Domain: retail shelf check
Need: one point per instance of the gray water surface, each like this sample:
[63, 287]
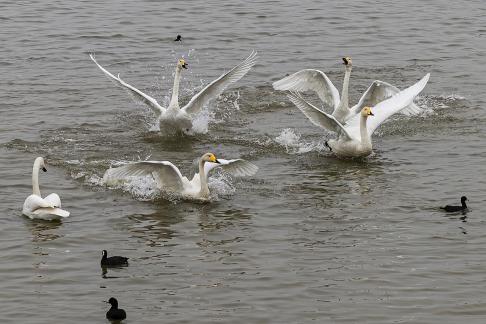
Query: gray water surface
[310, 238]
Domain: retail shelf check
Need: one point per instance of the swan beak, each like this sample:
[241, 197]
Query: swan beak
[216, 161]
[184, 66]
[44, 169]
[347, 61]
[371, 114]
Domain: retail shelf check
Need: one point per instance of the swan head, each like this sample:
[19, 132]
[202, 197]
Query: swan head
[182, 64]
[104, 254]
[41, 163]
[366, 111]
[347, 61]
[209, 157]
[463, 199]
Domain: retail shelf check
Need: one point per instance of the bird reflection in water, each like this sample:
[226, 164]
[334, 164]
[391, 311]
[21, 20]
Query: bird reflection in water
[44, 231]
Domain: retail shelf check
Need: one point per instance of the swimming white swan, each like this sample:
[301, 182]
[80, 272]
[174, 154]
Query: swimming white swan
[318, 82]
[36, 207]
[173, 118]
[169, 178]
[354, 137]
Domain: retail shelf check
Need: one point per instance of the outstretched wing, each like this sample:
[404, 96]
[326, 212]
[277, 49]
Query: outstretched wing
[379, 91]
[314, 80]
[165, 174]
[385, 109]
[237, 167]
[148, 100]
[215, 88]
[317, 116]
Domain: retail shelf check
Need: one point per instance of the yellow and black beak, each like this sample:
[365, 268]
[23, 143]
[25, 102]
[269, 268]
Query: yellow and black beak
[184, 65]
[371, 113]
[345, 61]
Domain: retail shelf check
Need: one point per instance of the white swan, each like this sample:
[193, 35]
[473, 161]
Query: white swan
[354, 137]
[169, 178]
[318, 82]
[36, 207]
[174, 119]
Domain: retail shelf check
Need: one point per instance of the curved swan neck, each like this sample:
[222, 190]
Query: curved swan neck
[344, 93]
[35, 177]
[174, 101]
[204, 181]
[365, 137]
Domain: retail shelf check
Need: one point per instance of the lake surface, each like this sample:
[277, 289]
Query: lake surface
[310, 238]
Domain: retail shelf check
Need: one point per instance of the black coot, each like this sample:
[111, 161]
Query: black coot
[112, 261]
[451, 208]
[115, 313]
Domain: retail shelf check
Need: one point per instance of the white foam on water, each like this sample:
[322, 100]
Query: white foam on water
[293, 143]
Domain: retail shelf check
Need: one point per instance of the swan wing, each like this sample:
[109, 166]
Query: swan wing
[379, 91]
[50, 213]
[314, 80]
[166, 174]
[148, 100]
[236, 167]
[317, 116]
[34, 202]
[385, 109]
[54, 199]
[215, 88]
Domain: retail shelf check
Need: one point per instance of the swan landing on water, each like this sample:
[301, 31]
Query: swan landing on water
[317, 81]
[169, 178]
[36, 207]
[354, 137]
[174, 119]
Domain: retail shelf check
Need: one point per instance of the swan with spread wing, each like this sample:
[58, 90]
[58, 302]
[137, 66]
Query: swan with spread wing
[317, 81]
[175, 119]
[169, 178]
[36, 207]
[354, 137]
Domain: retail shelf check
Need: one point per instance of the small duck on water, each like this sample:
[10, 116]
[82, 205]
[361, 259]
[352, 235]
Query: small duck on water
[115, 313]
[452, 208]
[113, 261]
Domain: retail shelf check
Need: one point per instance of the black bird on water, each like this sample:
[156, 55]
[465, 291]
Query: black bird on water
[451, 208]
[113, 261]
[178, 38]
[115, 313]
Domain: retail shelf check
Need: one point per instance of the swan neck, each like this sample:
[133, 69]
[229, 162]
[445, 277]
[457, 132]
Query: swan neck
[344, 92]
[35, 178]
[203, 179]
[464, 204]
[174, 101]
[365, 137]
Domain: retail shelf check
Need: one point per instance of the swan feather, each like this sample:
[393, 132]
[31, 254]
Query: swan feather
[151, 102]
[215, 88]
[385, 109]
[166, 174]
[310, 79]
[317, 116]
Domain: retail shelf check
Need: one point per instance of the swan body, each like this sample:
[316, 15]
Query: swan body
[36, 207]
[169, 178]
[317, 81]
[354, 137]
[175, 119]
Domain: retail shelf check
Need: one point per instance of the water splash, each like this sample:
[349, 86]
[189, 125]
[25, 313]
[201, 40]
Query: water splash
[293, 144]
